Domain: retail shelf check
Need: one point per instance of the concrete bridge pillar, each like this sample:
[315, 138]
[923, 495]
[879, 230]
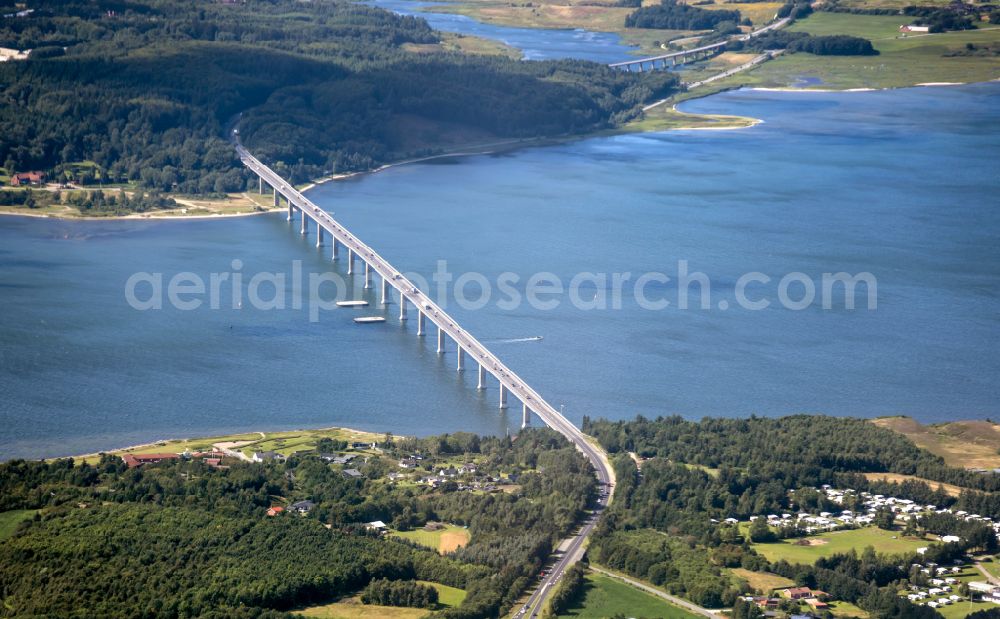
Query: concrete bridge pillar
[350, 261]
[304, 229]
[336, 248]
[440, 341]
[461, 359]
[319, 235]
[402, 306]
[368, 276]
[260, 185]
[525, 416]
[503, 396]
[482, 378]
[291, 209]
[420, 323]
[385, 292]
[276, 203]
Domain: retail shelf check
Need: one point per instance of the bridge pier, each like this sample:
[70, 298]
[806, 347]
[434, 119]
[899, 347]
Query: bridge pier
[402, 306]
[303, 229]
[440, 341]
[260, 185]
[503, 396]
[420, 322]
[336, 248]
[291, 209]
[350, 261]
[319, 234]
[525, 416]
[482, 378]
[385, 292]
[368, 276]
[461, 358]
[276, 203]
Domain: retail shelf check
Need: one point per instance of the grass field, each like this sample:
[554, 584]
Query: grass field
[665, 118]
[607, 597]
[903, 61]
[846, 609]
[284, 442]
[967, 444]
[838, 541]
[764, 582]
[896, 477]
[565, 14]
[232, 204]
[10, 520]
[449, 538]
[352, 608]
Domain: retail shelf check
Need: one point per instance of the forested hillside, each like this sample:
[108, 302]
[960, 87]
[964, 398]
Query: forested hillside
[145, 89]
[183, 538]
[673, 522]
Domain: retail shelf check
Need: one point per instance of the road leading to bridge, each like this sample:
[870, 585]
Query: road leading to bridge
[466, 343]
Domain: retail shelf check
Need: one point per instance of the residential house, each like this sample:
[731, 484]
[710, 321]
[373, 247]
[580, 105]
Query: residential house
[267, 456]
[303, 507]
[377, 525]
[134, 460]
[27, 178]
[275, 510]
[797, 593]
[352, 473]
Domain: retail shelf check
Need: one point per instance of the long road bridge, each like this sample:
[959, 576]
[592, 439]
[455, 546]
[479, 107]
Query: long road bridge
[390, 278]
[672, 59]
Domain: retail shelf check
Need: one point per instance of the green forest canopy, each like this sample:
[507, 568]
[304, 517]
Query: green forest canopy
[181, 538]
[146, 89]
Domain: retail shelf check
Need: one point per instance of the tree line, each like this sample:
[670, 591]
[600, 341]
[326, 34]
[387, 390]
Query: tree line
[195, 540]
[147, 89]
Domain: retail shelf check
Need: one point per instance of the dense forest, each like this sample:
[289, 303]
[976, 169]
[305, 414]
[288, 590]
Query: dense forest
[828, 45]
[195, 540]
[147, 88]
[666, 524]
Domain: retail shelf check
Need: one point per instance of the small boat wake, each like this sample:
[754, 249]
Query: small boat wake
[514, 340]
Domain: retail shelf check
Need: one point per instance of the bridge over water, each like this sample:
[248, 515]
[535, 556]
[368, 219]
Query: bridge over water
[468, 349]
[689, 55]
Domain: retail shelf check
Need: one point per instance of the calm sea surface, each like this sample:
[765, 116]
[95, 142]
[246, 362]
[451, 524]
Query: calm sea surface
[902, 184]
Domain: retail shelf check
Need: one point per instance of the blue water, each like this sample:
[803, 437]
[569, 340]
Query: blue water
[903, 184]
[534, 43]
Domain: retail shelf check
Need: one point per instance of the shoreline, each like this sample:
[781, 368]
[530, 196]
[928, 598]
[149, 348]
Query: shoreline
[221, 438]
[139, 216]
[499, 147]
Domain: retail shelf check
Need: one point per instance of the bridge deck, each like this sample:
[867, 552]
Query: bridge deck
[490, 362]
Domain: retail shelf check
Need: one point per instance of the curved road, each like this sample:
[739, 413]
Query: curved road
[473, 347]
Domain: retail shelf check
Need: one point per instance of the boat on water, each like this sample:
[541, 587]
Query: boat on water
[352, 303]
[363, 320]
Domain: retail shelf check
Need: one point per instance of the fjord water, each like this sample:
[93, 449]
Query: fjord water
[534, 43]
[903, 184]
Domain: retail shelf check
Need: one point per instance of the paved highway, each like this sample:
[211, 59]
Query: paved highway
[704, 48]
[473, 347]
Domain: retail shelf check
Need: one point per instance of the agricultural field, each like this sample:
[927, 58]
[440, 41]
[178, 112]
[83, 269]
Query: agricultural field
[763, 582]
[606, 597]
[596, 16]
[352, 608]
[951, 489]
[10, 519]
[966, 444]
[806, 550]
[903, 60]
[447, 538]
